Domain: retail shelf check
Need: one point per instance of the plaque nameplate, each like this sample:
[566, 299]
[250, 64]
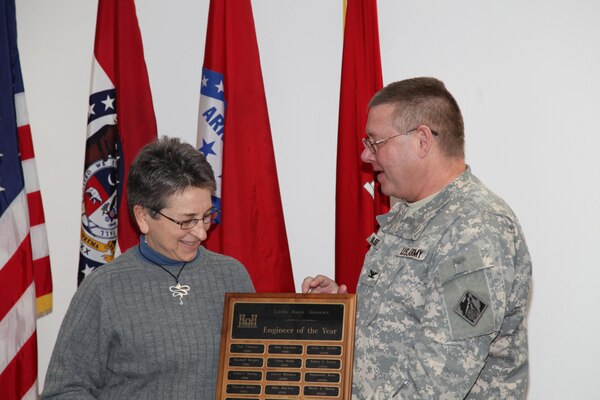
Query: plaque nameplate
[245, 362]
[243, 389]
[286, 345]
[322, 377]
[285, 349]
[324, 350]
[284, 376]
[284, 362]
[247, 348]
[323, 363]
[328, 391]
[279, 389]
[244, 375]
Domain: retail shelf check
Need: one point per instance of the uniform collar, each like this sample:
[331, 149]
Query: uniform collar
[397, 223]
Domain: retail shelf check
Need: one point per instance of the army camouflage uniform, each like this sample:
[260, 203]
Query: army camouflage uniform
[442, 301]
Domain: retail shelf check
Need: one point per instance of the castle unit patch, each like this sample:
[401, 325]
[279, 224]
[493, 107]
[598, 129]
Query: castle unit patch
[374, 240]
[470, 308]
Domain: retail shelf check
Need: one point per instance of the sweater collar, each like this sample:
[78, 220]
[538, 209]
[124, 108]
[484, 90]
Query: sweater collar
[154, 256]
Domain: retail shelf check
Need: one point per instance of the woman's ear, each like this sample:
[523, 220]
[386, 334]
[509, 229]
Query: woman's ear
[141, 217]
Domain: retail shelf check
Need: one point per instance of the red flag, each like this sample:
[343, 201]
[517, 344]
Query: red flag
[234, 124]
[358, 199]
[25, 279]
[120, 122]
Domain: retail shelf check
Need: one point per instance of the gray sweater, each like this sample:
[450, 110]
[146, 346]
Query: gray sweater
[125, 336]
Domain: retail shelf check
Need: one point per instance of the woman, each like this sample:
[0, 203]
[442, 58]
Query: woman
[148, 325]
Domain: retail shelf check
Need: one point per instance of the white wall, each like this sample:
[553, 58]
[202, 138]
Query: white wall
[524, 73]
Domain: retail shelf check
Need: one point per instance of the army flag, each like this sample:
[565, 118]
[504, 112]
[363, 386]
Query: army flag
[235, 136]
[358, 199]
[120, 122]
[25, 279]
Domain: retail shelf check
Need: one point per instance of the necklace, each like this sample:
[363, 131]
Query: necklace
[177, 290]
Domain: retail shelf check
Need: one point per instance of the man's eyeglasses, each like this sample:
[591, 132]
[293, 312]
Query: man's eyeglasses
[206, 219]
[372, 145]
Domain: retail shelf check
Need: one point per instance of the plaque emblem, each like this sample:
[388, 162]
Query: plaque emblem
[247, 322]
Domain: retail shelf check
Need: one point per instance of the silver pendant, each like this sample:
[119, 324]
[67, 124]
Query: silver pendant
[179, 291]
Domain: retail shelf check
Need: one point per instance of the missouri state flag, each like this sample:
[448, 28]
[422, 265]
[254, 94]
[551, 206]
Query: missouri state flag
[235, 136]
[120, 122]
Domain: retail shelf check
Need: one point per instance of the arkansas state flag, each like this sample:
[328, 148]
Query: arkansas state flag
[120, 122]
[235, 136]
[25, 280]
[358, 199]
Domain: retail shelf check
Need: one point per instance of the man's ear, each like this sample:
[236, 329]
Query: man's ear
[141, 217]
[426, 138]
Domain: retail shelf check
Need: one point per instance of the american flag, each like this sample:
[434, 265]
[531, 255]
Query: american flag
[25, 280]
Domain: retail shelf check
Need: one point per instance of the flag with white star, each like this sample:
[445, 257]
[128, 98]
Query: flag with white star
[25, 278]
[211, 126]
[120, 122]
[235, 137]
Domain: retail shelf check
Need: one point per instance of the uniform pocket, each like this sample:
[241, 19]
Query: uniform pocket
[467, 295]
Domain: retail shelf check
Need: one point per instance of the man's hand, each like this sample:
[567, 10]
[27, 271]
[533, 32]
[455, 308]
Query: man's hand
[322, 284]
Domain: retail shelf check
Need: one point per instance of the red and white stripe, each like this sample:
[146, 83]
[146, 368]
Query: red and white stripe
[25, 277]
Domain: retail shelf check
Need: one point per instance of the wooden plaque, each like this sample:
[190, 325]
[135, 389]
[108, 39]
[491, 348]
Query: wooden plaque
[286, 346]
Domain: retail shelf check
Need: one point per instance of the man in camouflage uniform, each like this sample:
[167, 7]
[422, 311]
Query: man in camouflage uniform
[442, 296]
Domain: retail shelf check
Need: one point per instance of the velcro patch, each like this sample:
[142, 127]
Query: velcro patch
[374, 240]
[468, 301]
[413, 252]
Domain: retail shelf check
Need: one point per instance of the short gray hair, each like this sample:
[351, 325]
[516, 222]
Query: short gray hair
[164, 168]
[426, 101]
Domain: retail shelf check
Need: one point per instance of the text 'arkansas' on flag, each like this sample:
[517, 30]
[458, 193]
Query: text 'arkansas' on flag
[210, 141]
[235, 136]
[358, 198]
[25, 279]
[120, 122]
